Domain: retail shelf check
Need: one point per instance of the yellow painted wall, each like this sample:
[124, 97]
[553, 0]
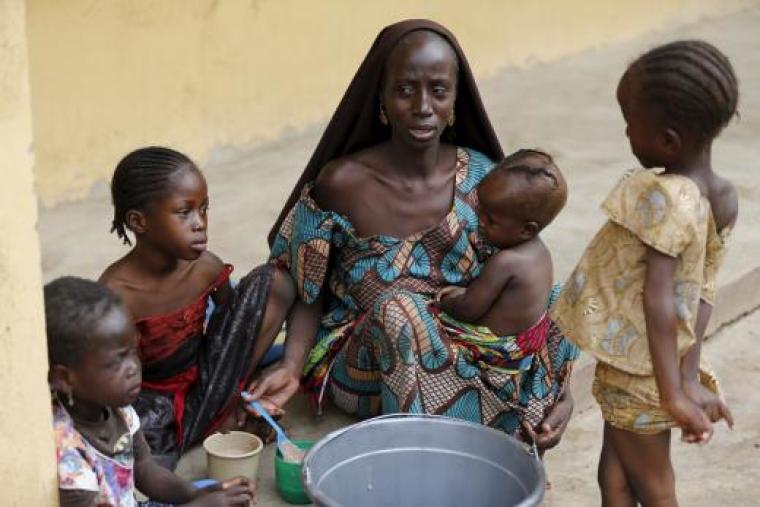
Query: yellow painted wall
[109, 76]
[27, 453]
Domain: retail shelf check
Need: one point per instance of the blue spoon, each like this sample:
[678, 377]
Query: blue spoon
[289, 450]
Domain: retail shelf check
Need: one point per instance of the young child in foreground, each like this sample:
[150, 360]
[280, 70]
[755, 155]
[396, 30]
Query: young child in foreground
[94, 376]
[641, 296]
[192, 373]
[500, 319]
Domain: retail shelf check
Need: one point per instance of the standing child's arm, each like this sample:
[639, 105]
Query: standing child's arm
[662, 326]
[162, 485]
[471, 303]
[690, 361]
[712, 403]
[725, 211]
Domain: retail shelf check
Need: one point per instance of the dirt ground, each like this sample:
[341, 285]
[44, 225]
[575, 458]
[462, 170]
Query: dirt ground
[568, 108]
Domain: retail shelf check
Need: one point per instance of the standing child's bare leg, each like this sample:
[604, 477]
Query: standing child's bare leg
[613, 483]
[646, 462]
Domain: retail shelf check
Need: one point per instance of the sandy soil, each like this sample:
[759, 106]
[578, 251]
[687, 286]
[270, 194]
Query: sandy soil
[568, 108]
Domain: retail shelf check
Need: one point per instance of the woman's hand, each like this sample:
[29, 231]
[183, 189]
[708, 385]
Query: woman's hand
[237, 491]
[550, 431]
[450, 291]
[273, 389]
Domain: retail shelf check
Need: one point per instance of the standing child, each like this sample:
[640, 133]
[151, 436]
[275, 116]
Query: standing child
[641, 296]
[500, 320]
[192, 375]
[95, 375]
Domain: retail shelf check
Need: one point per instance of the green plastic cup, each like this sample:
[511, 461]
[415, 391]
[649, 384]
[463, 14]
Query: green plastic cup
[287, 476]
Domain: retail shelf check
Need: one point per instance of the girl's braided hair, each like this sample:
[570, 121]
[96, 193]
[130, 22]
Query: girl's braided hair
[140, 178]
[691, 83]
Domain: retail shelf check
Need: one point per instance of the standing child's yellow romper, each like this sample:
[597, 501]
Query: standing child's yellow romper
[601, 308]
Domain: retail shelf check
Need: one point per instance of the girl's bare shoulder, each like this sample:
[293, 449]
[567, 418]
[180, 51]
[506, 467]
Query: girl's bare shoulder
[724, 201]
[134, 285]
[207, 267]
[119, 275]
[122, 278]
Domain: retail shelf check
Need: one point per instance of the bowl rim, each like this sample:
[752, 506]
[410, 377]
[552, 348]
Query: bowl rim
[221, 434]
[533, 498]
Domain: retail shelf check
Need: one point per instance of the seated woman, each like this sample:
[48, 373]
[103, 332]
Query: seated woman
[384, 216]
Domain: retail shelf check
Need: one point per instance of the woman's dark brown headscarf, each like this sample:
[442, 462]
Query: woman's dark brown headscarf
[355, 123]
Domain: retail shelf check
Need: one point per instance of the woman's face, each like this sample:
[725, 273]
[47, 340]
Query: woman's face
[419, 88]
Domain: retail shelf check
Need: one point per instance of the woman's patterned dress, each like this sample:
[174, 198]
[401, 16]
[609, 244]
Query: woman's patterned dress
[380, 348]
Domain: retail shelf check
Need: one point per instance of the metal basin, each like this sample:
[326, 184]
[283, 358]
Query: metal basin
[418, 460]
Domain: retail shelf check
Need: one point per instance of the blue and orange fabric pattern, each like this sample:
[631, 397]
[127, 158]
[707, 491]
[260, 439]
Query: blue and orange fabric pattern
[379, 348]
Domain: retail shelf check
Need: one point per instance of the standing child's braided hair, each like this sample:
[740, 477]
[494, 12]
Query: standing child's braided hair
[691, 83]
[141, 177]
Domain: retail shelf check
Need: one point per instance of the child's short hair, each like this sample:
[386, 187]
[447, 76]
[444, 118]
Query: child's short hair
[73, 308]
[691, 83]
[537, 192]
[141, 177]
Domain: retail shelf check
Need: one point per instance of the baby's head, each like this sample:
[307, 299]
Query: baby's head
[520, 197]
[675, 99]
[161, 196]
[92, 345]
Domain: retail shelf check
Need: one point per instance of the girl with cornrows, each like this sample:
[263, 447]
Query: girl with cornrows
[192, 373]
[641, 296]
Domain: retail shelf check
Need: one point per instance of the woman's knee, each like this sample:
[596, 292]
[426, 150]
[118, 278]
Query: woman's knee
[282, 291]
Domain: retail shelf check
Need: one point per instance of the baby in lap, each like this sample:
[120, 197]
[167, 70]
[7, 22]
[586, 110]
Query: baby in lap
[500, 319]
